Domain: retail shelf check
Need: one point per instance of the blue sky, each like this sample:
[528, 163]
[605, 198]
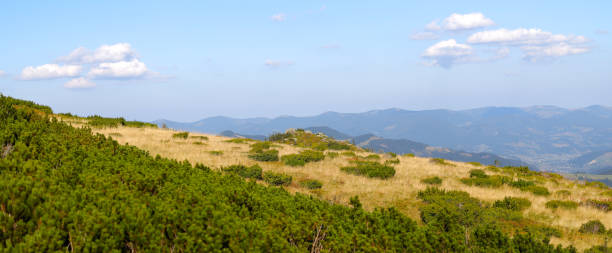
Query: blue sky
[185, 60]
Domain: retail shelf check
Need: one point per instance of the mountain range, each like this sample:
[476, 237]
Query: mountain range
[548, 137]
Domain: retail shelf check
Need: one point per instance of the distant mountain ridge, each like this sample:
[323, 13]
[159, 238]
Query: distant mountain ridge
[546, 136]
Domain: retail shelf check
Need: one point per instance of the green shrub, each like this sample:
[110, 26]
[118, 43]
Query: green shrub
[494, 181]
[593, 227]
[607, 193]
[372, 157]
[513, 203]
[349, 154]
[598, 249]
[277, 179]
[311, 184]
[198, 143]
[392, 161]
[475, 164]
[204, 138]
[332, 155]
[522, 184]
[181, 135]
[370, 169]
[537, 190]
[441, 161]
[597, 184]
[254, 171]
[493, 168]
[393, 155]
[432, 180]
[408, 155]
[215, 152]
[564, 204]
[303, 157]
[265, 156]
[335, 145]
[478, 174]
[98, 121]
[600, 204]
[238, 140]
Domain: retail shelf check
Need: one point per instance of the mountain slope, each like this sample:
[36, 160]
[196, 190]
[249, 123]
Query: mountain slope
[545, 136]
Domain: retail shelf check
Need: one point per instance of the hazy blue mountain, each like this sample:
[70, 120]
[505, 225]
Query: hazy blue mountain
[228, 133]
[546, 136]
[597, 162]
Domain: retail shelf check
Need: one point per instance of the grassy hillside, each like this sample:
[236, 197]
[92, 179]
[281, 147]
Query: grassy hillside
[66, 188]
[399, 191]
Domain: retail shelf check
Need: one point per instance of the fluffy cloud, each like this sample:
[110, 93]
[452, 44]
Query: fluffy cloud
[105, 53]
[50, 71]
[536, 53]
[119, 70]
[522, 36]
[448, 52]
[277, 63]
[279, 17]
[456, 22]
[79, 83]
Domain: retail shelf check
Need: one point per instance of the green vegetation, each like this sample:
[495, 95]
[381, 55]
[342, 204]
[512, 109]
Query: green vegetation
[392, 155]
[441, 161]
[512, 203]
[254, 171]
[432, 180]
[392, 161]
[563, 193]
[349, 154]
[198, 143]
[277, 179]
[593, 227]
[66, 189]
[180, 135]
[479, 178]
[408, 155]
[260, 151]
[564, 204]
[306, 139]
[98, 121]
[475, 164]
[303, 157]
[372, 157]
[238, 140]
[332, 155]
[311, 184]
[370, 169]
[604, 205]
[215, 152]
[198, 137]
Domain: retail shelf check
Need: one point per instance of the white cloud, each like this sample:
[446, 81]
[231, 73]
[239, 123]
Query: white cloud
[522, 36]
[50, 71]
[456, 22]
[424, 36]
[537, 53]
[120, 70]
[105, 53]
[277, 63]
[448, 52]
[279, 17]
[79, 83]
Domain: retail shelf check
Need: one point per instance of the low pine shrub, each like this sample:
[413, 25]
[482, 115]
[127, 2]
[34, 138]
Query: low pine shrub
[277, 179]
[303, 157]
[370, 169]
[537, 190]
[432, 180]
[593, 227]
[215, 152]
[477, 173]
[494, 181]
[238, 140]
[408, 155]
[311, 184]
[332, 155]
[475, 164]
[393, 155]
[265, 156]
[181, 135]
[349, 154]
[254, 171]
[563, 193]
[198, 143]
[335, 145]
[392, 161]
[564, 204]
[441, 161]
[603, 205]
[203, 138]
[513, 203]
[372, 157]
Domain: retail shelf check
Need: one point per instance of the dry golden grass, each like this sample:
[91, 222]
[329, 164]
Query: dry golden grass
[399, 191]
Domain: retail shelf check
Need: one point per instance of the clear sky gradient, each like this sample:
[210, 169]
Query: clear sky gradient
[185, 60]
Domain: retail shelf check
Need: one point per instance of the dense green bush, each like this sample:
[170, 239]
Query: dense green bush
[494, 181]
[370, 169]
[336, 145]
[513, 203]
[392, 155]
[475, 164]
[332, 155]
[181, 135]
[564, 204]
[408, 155]
[265, 156]
[303, 157]
[349, 154]
[372, 157]
[98, 121]
[432, 180]
[604, 205]
[593, 227]
[67, 189]
[215, 152]
[254, 171]
[278, 179]
[199, 137]
[311, 184]
[477, 173]
[392, 161]
[441, 161]
[563, 193]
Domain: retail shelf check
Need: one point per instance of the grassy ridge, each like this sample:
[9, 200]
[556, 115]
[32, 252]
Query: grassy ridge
[67, 189]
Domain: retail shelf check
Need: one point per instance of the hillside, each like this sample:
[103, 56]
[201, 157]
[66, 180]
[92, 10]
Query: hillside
[67, 188]
[597, 162]
[545, 136]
